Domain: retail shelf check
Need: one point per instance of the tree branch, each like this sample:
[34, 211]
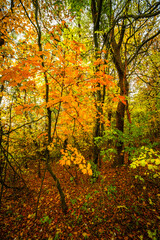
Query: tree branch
[140, 47]
[23, 125]
[28, 16]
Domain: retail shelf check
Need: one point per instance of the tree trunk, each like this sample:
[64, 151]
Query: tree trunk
[96, 7]
[49, 112]
[58, 185]
[120, 115]
[123, 85]
[119, 159]
[96, 150]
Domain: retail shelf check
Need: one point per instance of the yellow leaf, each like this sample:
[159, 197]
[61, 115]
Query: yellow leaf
[62, 162]
[68, 162]
[81, 166]
[50, 238]
[150, 202]
[122, 206]
[84, 171]
[157, 161]
[90, 172]
[49, 148]
[85, 235]
[88, 166]
[31, 215]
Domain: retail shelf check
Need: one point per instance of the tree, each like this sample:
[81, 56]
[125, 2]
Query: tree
[125, 29]
[147, 81]
[48, 64]
[128, 21]
[96, 7]
[124, 23]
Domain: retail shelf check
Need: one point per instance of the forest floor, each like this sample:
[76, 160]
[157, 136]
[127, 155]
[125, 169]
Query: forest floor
[116, 206]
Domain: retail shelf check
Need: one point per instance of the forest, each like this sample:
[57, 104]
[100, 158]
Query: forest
[79, 119]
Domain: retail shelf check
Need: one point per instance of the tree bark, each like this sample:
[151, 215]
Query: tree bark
[120, 115]
[119, 159]
[96, 7]
[124, 86]
[58, 185]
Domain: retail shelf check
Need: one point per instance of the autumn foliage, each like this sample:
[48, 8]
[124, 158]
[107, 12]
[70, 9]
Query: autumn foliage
[67, 116]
